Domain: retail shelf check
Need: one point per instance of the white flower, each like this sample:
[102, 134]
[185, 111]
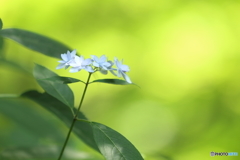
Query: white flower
[102, 63]
[67, 58]
[80, 63]
[122, 69]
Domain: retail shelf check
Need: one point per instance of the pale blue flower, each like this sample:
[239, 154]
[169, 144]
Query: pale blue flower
[67, 58]
[121, 70]
[80, 63]
[102, 63]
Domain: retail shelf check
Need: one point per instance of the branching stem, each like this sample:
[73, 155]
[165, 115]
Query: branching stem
[75, 118]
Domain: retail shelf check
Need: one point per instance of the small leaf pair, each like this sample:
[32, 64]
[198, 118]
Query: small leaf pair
[57, 86]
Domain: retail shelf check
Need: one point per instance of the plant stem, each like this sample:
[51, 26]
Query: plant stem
[75, 117]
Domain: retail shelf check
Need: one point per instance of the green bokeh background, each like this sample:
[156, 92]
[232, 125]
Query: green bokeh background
[185, 56]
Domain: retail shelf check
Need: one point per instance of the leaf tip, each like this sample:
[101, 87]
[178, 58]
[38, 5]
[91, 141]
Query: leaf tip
[136, 85]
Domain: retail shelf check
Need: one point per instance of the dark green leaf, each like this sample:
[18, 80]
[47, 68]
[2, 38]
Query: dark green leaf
[1, 46]
[1, 43]
[1, 24]
[32, 126]
[113, 145]
[112, 81]
[35, 42]
[64, 80]
[60, 91]
[82, 129]
[42, 153]
[27, 153]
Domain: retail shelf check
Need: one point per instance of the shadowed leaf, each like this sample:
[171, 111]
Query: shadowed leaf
[113, 145]
[64, 80]
[82, 129]
[42, 153]
[1, 24]
[1, 47]
[60, 91]
[112, 81]
[33, 126]
[35, 42]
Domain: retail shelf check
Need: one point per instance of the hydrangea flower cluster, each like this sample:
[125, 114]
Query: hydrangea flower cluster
[93, 64]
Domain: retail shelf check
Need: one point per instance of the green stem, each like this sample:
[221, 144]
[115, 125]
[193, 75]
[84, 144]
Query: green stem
[75, 117]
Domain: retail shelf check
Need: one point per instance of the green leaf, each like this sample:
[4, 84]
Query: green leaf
[82, 129]
[1, 47]
[35, 42]
[60, 91]
[1, 43]
[113, 145]
[1, 24]
[64, 80]
[29, 153]
[42, 153]
[29, 121]
[112, 81]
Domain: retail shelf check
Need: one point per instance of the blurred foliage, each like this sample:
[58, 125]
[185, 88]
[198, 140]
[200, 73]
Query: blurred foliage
[184, 55]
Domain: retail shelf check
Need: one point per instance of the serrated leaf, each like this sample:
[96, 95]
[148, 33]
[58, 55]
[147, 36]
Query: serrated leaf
[112, 81]
[64, 80]
[60, 91]
[35, 42]
[113, 145]
[82, 129]
[1, 24]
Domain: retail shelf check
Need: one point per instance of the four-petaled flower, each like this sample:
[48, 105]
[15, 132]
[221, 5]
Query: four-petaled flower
[102, 63]
[67, 59]
[92, 65]
[122, 69]
[80, 63]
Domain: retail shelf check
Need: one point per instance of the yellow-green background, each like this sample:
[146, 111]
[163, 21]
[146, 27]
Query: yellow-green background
[184, 55]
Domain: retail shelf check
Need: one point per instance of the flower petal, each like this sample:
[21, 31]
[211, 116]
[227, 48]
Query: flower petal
[77, 61]
[102, 59]
[87, 62]
[104, 67]
[111, 64]
[73, 54]
[126, 77]
[89, 69]
[106, 64]
[95, 64]
[69, 56]
[118, 64]
[64, 57]
[61, 65]
[125, 68]
[119, 73]
[95, 58]
[74, 69]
